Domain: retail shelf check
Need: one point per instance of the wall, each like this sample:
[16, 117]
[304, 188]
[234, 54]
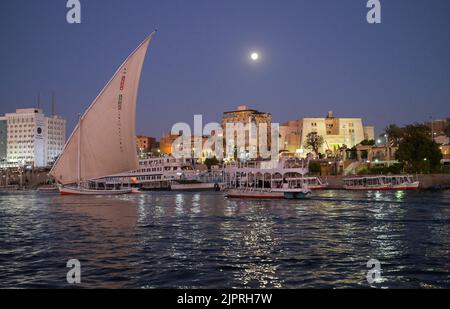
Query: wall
[3, 139]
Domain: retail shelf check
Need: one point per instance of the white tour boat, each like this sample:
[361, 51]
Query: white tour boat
[313, 183]
[166, 173]
[381, 182]
[104, 140]
[263, 180]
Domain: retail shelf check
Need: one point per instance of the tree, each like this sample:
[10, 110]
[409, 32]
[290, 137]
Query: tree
[313, 142]
[417, 151]
[314, 168]
[210, 162]
[447, 131]
[369, 142]
[393, 133]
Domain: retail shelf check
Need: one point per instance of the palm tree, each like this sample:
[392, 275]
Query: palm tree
[393, 134]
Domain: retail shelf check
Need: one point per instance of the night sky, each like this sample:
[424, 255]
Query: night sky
[316, 56]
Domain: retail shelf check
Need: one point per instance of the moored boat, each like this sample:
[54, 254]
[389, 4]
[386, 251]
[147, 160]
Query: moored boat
[166, 173]
[312, 182]
[193, 185]
[104, 141]
[48, 189]
[263, 180]
[381, 182]
[10, 188]
[268, 193]
[74, 190]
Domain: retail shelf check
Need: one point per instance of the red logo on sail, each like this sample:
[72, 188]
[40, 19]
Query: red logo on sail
[122, 83]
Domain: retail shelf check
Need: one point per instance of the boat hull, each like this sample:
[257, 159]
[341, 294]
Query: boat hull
[82, 191]
[289, 194]
[254, 194]
[200, 186]
[318, 187]
[296, 195]
[411, 186]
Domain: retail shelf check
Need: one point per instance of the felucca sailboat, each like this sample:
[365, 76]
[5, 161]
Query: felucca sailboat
[104, 141]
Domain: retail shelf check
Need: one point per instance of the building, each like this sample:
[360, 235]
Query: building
[336, 133]
[442, 139]
[246, 144]
[144, 144]
[33, 138]
[55, 137]
[445, 150]
[166, 143]
[290, 137]
[438, 126]
[369, 133]
[3, 140]
[206, 151]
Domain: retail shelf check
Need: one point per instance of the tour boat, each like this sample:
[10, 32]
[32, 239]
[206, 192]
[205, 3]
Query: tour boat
[48, 189]
[166, 173]
[75, 190]
[396, 182]
[268, 193]
[313, 183]
[194, 185]
[104, 141]
[265, 180]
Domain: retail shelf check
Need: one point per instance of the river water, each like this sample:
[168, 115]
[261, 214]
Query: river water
[203, 240]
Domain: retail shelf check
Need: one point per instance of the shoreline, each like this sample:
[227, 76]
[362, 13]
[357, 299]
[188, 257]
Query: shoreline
[335, 182]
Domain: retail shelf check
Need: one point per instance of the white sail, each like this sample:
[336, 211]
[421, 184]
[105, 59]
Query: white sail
[106, 142]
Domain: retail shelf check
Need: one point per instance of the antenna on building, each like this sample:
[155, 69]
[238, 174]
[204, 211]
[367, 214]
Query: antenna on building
[53, 103]
[39, 100]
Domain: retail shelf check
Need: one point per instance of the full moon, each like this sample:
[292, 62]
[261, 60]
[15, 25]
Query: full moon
[254, 56]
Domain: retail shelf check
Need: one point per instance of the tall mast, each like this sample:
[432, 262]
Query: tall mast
[79, 151]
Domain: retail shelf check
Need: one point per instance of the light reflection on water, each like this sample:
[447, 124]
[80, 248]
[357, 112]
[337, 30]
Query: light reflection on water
[165, 239]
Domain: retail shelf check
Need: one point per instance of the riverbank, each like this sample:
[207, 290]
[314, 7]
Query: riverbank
[35, 179]
[427, 181]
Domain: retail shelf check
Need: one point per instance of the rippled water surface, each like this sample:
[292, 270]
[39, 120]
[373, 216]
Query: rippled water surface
[204, 240]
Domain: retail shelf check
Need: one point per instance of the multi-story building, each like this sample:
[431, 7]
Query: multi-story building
[248, 141]
[33, 138]
[445, 150]
[55, 136]
[166, 143]
[290, 137]
[144, 144]
[336, 132]
[438, 126]
[3, 140]
[167, 146]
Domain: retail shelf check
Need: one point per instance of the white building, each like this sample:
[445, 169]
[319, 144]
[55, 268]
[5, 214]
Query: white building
[336, 132]
[33, 138]
[3, 140]
[55, 136]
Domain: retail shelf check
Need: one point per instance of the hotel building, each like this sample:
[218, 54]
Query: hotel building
[166, 143]
[246, 143]
[32, 138]
[336, 132]
[144, 144]
[3, 140]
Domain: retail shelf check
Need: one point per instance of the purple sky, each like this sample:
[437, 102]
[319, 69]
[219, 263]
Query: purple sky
[317, 56]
